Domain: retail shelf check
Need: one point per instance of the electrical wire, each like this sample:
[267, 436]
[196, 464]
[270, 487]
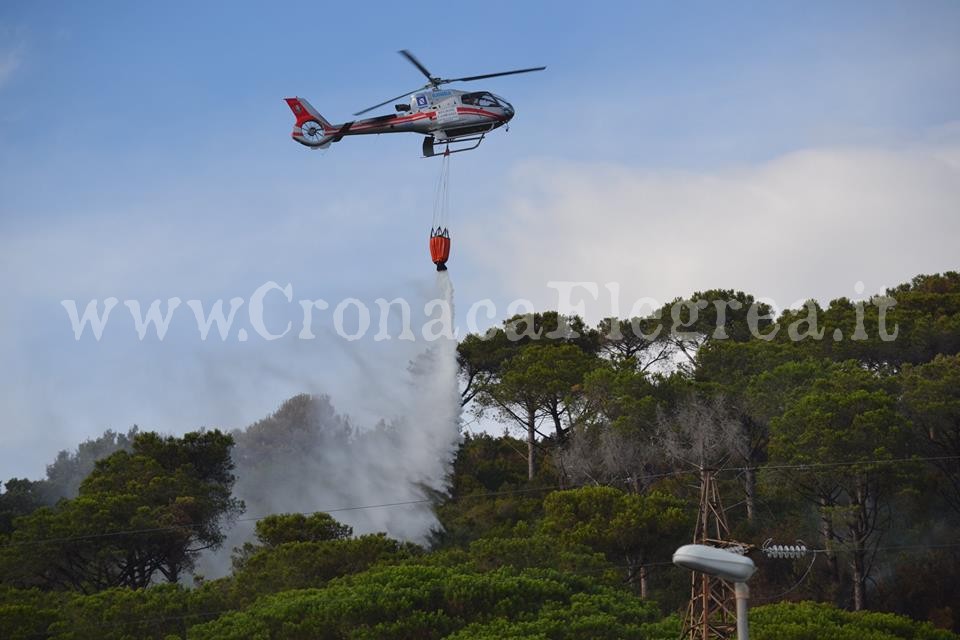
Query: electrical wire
[509, 492]
[851, 463]
[799, 582]
[186, 527]
[490, 494]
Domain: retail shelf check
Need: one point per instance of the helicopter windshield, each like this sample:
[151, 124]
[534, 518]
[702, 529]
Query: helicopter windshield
[480, 99]
[503, 103]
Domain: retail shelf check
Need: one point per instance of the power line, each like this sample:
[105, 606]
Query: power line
[185, 527]
[473, 496]
[851, 463]
[491, 494]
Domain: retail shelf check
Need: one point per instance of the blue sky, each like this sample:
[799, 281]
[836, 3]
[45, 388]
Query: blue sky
[145, 153]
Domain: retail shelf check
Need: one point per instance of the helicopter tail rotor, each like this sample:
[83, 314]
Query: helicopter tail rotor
[311, 129]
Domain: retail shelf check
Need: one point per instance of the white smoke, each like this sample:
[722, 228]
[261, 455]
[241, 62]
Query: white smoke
[307, 457]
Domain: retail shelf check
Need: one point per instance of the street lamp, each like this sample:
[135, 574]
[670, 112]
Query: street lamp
[724, 565]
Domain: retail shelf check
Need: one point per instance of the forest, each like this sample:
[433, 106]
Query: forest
[837, 426]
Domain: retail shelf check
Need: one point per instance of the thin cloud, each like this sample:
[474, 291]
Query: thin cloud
[10, 61]
[810, 224]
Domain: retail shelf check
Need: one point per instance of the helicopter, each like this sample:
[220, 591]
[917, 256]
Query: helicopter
[444, 116]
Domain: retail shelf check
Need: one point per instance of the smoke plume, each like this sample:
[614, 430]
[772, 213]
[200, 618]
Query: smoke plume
[308, 457]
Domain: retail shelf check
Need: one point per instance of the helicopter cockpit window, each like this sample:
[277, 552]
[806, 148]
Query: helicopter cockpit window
[480, 99]
[487, 100]
[503, 103]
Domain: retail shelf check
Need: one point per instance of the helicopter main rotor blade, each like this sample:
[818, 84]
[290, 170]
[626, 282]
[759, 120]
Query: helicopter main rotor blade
[409, 56]
[385, 102]
[493, 75]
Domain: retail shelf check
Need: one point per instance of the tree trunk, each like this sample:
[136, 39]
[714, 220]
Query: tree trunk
[531, 443]
[859, 531]
[859, 580]
[826, 532]
[644, 587]
[557, 423]
[750, 489]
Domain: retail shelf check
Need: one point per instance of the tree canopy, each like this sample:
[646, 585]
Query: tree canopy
[836, 424]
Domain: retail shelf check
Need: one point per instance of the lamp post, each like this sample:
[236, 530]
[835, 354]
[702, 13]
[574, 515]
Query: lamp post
[725, 565]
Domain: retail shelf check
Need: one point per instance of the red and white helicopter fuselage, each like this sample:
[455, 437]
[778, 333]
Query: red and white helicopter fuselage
[442, 115]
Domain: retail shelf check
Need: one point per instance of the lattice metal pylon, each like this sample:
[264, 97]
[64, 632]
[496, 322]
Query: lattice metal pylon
[711, 614]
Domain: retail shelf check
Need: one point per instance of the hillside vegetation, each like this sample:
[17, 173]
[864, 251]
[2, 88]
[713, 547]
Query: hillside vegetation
[838, 426]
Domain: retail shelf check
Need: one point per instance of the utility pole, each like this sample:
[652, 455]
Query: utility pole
[711, 613]
[720, 563]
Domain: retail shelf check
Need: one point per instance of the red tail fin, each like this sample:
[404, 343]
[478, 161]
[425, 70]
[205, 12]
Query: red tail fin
[311, 128]
[304, 111]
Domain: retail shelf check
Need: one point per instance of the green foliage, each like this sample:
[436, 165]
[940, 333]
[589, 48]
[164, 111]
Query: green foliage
[300, 565]
[528, 549]
[68, 471]
[920, 320]
[618, 524]
[416, 601]
[155, 613]
[277, 529]
[20, 497]
[849, 415]
[487, 465]
[64, 475]
[138, 513]
[26, 613]
[624, 399]
[931, 399]
[529, 370]
[629, 529]
[605, 615]
[516, 559]
[812, 621]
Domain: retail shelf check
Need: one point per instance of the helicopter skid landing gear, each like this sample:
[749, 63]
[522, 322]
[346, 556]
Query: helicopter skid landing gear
[429, 141]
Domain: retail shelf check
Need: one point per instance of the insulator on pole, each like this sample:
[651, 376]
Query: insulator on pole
[785, 551]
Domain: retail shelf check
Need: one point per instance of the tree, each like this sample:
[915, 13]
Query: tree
[931, 399]
[911, 324]
[20, 497]
[813, 621]
[636, 343]
[278, 529]
[615, 438]
[69, 470]
[282, 528]
[501, 371]
[480, 357]
[432, 602]
[765, 397]
[538, 383]
[64, 475]
[309, 564]
[630, 529]
[139, 513]
[700, 433]
[707, 316]
[487, 465]
[848, 418]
